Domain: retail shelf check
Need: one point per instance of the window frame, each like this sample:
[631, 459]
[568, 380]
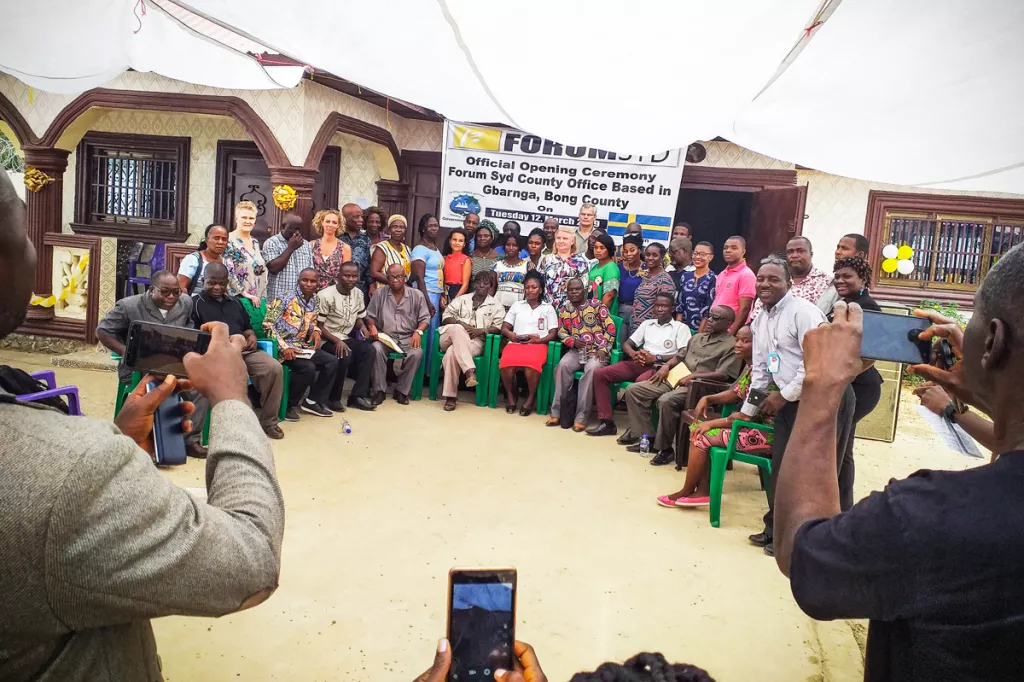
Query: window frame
[179, 146]
[936, 207]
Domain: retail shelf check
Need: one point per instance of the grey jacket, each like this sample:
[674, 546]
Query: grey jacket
[96, 541]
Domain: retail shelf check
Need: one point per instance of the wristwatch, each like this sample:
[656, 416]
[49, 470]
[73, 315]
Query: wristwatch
[419, 331]
[951, 413]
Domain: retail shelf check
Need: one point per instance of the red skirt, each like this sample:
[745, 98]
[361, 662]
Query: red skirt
[532, 355]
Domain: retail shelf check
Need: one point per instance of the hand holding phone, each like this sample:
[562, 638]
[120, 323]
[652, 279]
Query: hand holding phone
[481, 622]
[950, 378]
[138, 414]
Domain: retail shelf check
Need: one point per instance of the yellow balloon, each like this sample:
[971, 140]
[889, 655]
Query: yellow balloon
[889, 265]
[905, 253]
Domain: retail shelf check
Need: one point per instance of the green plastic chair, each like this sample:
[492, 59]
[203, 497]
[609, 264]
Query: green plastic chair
[417, 379]
[720, 458]
[543, 388]
[482, 362]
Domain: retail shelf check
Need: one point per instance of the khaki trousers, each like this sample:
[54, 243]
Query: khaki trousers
[459, 352]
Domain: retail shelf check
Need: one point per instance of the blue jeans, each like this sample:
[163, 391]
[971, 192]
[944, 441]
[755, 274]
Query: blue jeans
[428, 335]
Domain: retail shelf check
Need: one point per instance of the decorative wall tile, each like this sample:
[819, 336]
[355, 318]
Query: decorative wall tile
[729, 155]
[359, 173]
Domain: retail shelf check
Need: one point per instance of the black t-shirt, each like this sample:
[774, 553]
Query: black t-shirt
[936, 561]
[870, 375]
[227, 310]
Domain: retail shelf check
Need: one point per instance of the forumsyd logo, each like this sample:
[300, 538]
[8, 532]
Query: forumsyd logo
[487, 139]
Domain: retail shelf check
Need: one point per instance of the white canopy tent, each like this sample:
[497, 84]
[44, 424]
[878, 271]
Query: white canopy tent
[910, 92]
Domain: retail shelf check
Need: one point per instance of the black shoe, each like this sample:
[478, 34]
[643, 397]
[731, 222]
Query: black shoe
[760, 540]
[605, 428]
[627, 438]
[401, 398]
[336, 406]
[291, 415]
[362, 404]
[662, 458]
[315, 408]
[378, 397]
[769, 550]
[196, 450]
[635, 447]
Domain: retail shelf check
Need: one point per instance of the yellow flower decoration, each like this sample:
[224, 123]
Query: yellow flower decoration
[51, 300]
[284, 197]
[36, 179]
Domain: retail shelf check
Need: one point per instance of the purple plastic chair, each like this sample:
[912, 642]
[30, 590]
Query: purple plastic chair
[155, 263]
[52, 391]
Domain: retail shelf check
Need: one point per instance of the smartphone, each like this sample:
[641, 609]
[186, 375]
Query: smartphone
[153, 348]
[168, 436]
[756, 396]
[894, 338]
[481, 622]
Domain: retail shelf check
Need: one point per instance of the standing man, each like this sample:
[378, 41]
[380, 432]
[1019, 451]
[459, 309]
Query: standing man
[299, 341]
[588, 213]
[779, 358]
[511, 227]
[467, 321]
[586, 328]
[935, 561]
[469, 224]
[339, 313]
[287, 254]
[213, 304]
[709, 355]
[358, 241]
[653, 344]
[853, 245]
[809, 283]
[682, 230]
[680, 253]
[164, 303]
[736, 285]
[400, 312]
[550, 228]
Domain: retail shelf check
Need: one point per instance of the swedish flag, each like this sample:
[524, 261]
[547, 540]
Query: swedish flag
[654, 226]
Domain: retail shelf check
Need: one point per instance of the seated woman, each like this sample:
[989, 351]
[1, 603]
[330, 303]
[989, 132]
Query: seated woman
[655, 281]
[529, 325]
[192, 270]
[510, 271]
[705, 435]
[604, 274]
[390, 251]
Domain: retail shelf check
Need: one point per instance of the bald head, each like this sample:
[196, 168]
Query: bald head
[17, 258]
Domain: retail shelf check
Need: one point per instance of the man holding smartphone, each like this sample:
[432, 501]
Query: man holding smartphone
[104, 541]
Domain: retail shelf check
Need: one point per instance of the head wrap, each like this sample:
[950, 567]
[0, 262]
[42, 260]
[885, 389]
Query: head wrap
[634, 239]
[397, 217]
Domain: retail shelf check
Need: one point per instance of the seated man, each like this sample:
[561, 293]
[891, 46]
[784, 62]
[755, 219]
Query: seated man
[213, 304]
[653, 344]
[400, 312]
[466, 322]
[340, 312]
[709, 355]
[163, 304]
[299, 341]
[588, 332]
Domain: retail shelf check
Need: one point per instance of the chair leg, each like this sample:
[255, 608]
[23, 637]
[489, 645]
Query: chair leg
[718, 458]
[417, 381]
[206, 431]
[435, 371]
[766, 477]
[286, 377]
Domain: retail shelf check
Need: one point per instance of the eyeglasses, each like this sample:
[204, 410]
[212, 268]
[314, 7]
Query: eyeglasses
[701, 254]
[395, 278]
[714, 317]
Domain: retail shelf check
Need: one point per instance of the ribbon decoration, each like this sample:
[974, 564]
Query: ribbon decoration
[51, 300]
[35, 179]
[284, 197]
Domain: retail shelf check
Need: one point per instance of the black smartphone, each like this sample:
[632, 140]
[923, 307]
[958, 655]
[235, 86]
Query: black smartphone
[756, 396]
[894, 338]
[153, 348]
[168, 437]
[481, 622]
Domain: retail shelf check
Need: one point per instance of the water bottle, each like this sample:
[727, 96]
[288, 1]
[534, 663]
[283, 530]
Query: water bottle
[645, 446]
[346, 428]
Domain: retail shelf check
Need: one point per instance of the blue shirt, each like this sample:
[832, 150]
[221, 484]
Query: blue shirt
[694, 298]
[433, 271]
[628, 284]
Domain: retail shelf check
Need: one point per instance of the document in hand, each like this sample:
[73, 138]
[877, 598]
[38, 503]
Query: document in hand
[389, 342]
[677, 374]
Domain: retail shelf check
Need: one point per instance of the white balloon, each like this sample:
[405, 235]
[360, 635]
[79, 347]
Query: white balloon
[905, 267]
[890, 251]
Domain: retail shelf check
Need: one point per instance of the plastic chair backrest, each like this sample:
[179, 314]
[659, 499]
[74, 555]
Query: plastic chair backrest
[728, 409]
[620, 331]
[256, 315]
[156, 261]
[265, 345]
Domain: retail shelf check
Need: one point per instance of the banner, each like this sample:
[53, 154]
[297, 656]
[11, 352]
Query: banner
[504, 174]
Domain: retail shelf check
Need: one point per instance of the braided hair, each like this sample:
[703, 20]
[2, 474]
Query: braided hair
[645, 668]
[857, 264]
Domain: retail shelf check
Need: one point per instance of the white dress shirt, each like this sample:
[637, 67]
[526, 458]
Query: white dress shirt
[526, 320]
[661, 339]
[781, 330]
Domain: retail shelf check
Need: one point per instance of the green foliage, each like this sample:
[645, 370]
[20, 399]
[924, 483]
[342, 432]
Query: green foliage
[9, 159]
[950, 310]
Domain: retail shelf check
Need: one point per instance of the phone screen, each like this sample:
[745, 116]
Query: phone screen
[159, 348]
[893, 337]
[481, 623]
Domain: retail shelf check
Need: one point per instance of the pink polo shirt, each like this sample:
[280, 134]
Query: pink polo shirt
[734, 283]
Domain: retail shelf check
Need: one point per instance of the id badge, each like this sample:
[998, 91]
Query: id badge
[774, 363]
[541, 323]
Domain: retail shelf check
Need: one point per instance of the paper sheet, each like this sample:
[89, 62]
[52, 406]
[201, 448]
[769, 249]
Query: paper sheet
[953, 436]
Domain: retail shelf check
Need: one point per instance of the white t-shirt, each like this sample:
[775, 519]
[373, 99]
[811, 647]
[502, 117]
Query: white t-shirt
[661, 339]
[526, 320]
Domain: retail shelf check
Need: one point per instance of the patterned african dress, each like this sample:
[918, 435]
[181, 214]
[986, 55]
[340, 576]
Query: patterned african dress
[394, 256]
[750, 441]
[643, 299]
[694, 298]
[587, 329]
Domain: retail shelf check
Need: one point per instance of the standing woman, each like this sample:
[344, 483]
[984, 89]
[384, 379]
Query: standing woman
[851, 281]
[246, 268]
[511, 272]
[563, 265]
[529, 325]
[535, 246]
[656, 281]
[631, 273]
[391, 251]
[328, 251]
[428, 274]
[696, 288]
[484, 254]
[192, 271]
[373, 223]
[458, 266]
[604, 273]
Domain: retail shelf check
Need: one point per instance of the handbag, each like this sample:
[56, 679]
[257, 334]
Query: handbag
[568, 407]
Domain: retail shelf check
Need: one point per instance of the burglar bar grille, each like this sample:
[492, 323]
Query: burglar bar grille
[133, 187]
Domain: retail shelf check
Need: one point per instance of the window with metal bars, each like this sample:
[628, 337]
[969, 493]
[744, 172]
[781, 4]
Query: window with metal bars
[951, 252]
[132, 186]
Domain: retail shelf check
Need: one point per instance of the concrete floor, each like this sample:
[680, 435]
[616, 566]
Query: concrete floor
[375, 520]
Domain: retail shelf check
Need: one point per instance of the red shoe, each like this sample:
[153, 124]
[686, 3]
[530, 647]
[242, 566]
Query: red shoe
[665, 501]
[693, 501]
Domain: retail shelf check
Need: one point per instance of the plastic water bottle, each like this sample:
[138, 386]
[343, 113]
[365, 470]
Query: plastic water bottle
[346, 428]
[645, 446]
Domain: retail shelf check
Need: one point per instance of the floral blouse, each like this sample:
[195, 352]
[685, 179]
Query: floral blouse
[557, 273]
[246, 269]
[695, 296]
[328, 268]
[643, 299]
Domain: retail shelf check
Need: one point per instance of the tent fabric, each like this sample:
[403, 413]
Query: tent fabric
[915, 92]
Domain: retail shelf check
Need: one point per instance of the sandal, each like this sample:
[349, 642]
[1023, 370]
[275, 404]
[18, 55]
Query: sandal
[449, 405]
